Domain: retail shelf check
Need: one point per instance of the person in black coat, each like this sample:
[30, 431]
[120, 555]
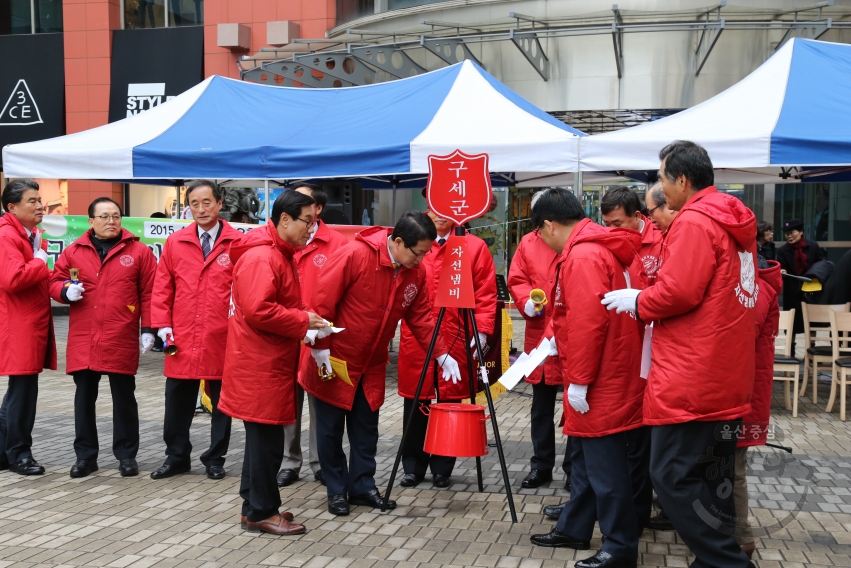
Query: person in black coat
[765, 240]
[796, 257]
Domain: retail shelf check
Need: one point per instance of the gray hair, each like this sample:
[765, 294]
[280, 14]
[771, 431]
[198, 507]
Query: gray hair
[657, 195]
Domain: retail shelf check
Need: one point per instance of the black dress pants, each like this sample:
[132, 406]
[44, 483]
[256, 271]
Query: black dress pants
[638, 442]
[125, 415]
[543, 429]
[414, 459]
[692, 466]
[361, 422]
[602, 490]
[264, 450]
[181, 398]
[17, 418]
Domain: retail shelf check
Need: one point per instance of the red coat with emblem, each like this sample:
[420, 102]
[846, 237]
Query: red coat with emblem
[702, 306]
[310, 259]
[412, 352]
[103, 330]
[26, 322]
[651, 249]
[266, 325]
[755, 423]
[598, 347]
[191, 296]
[359, 289]
[533, 266]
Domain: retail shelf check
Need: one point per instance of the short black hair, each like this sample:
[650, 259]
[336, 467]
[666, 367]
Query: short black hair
[289, 202]
[762, 227]
[94, 204]
[316, 193]
[657, 195]
[620, 197]
[684, 158]
[413, 227]
[15, 189]
[218, 193]
[556, 204]
[157, 215]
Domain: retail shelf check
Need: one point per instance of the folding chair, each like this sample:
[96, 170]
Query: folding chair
[817, 319]
[784, 361]
[840, 327]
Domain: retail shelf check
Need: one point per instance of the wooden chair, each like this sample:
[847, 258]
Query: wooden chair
[818, 352]
[840, 327]
[784, 361]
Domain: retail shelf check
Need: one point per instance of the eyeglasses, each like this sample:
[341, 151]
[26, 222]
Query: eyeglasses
[310, 224]
[107, 218]
[419, 255]
[650, 211]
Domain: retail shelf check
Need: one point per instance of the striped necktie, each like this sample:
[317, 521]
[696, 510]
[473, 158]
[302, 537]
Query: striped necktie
[205, 244]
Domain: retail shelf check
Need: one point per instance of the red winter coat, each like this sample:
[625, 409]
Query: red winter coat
[534, 266]
[702, 306]
[412, 352]
[191, 296]
[598, 347]
[26, 322]
[266, 325]
[103, 331]
[755, 423]
[359, 289]
[651, 249]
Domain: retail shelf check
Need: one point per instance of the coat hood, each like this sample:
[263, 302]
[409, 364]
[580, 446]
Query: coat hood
[375, 237]
[623, 243]
[265, 236]
[727, 211]
[771, 276]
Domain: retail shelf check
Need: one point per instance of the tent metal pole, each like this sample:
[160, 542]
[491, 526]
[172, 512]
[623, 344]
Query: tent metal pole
[395, 186]
[577, 185]
[178, 209]
[266, 198]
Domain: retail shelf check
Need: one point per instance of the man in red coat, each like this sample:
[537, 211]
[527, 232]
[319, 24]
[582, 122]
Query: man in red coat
[26, 323]
[701, 378]
[266, 325]
[366, 287]
[622, 208]
[412, 352]
[109, 298]
[534, 266]
[601, 354]
[310, 259]
[190, 306]
[657, 208]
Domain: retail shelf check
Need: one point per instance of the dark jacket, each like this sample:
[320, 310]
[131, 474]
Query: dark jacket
[786, 256]
[767, 251]
[837, 290]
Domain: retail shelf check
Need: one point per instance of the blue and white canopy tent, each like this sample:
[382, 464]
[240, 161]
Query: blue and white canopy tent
[249, 133]
[788, 121]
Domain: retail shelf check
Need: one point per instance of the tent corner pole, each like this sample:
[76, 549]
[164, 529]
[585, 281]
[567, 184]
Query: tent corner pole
[577, 185]
[266, 199]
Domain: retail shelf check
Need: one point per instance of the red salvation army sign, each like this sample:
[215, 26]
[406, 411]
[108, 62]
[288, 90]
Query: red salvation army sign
[459, 186]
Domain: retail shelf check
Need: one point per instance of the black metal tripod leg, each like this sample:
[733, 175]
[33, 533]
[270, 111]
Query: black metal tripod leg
[473, 381]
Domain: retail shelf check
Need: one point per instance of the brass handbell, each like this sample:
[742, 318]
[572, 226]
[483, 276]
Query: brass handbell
[74, 273]
[169, 348]
[326, 374]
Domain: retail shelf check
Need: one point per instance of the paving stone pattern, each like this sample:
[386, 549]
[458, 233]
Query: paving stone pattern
[800, 502]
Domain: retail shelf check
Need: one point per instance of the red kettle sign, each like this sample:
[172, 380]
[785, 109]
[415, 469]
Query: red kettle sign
[459, 186]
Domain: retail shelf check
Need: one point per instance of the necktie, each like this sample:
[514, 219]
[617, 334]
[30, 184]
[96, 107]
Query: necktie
[441, 241]
[32, 241]
[205, 244]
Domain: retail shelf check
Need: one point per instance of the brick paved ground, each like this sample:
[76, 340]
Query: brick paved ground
[803, 507]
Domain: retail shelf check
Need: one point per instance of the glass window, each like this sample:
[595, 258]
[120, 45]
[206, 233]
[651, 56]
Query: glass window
[48, 16]
[15, 17]
[162, 13]
[348, 10]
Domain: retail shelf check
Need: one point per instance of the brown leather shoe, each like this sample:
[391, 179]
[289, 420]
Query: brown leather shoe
[244, 524]
[276, 524]
[749, 548]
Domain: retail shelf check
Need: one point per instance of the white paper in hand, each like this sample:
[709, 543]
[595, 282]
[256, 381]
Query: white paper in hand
[646, 351]
[311, 333]
[514, 374]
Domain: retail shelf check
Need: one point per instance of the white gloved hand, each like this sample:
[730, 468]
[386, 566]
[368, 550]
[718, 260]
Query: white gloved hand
[164, 333]
[576, 397]
[623, 300]
[324, 332]
[483, 341]
[322, 357]
[147, 342]
[450, 368]
[74, 292]
[41, 255]
[529, 309]
[553, 347]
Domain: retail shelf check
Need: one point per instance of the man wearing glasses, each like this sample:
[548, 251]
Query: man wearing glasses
[190, 308]
[109, 293]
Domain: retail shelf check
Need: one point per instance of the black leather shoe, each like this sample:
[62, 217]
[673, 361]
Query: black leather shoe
[319, 477]
[553, 511]
[441, 481]
[606, 560]
[410, 480]
[216, 471]
[371, 499]
[660, 522]
[4, 465]
[167, 470]
[556, 539]
[26, 466]
[567, 484]
[128, 467]
[337, 505]
[82, 468]
[287, 477]
[536, 478]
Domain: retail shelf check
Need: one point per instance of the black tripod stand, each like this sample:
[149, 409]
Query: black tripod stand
[468, 315]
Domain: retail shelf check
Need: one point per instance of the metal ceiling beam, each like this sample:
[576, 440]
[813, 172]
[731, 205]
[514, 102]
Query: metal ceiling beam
[524, 18]
[389, 59]
[530, 46]
[708, 37]
[451, 50]
[617, 39]
[297, 72]
[340, 67]
[265, 77]
[807, 30]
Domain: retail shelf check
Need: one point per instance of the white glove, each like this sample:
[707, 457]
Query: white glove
[322, 357]
[74, 292]
[529, 309]
[623, 300]
[164, 333]
[41, 255]
[483, 341]
[450, 368]
[553, 347]
[576, 397]
[147, 342]
[37, 241]
[324, 332]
